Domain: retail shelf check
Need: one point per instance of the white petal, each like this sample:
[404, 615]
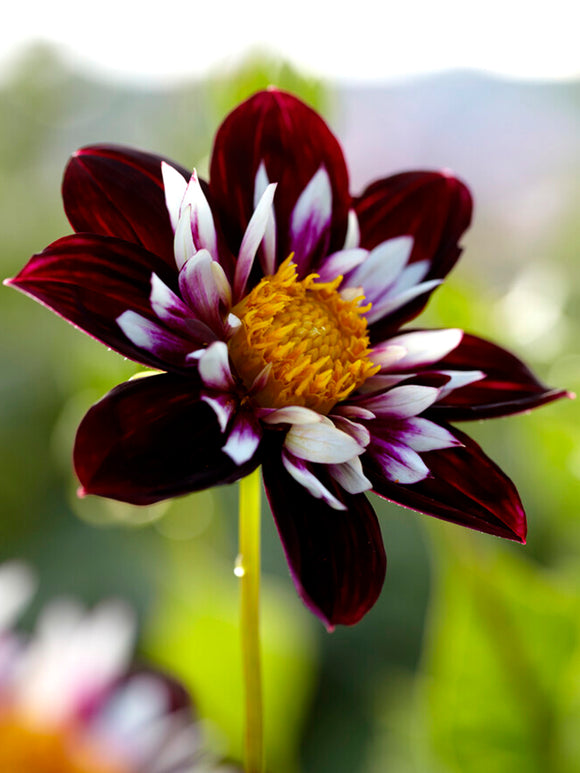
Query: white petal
[411, 275]
[352, 412]
[400, 463]
[223, 406]
[382, 267]
[201, 218]
[321, 443]
[293, 414]
[389, 304]
[251, 241]
[352, 238]
[74, 657]
[350, 294]
[260, 183]
[310, 217]
[422, 347]
[214, 367]
[131, 711]
[352, 428]
[183, 246]
[340, 263]
[402, 402]
[174, 187]
[268, 256]
[301, 474]
[165, 303]
[424, 435]
[154, 338]
[381, 382]
[457, 379]
[243, 440]
[387, 354]
[205, 287]
[350, 476]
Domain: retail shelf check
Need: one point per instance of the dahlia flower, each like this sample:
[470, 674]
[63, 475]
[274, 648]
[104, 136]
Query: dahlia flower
[68, 703]
[275, 304]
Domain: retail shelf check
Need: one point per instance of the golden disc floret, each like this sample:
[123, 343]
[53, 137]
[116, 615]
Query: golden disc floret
[312, 342]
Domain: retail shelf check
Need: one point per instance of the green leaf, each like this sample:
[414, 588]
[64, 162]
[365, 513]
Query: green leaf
[505, 641]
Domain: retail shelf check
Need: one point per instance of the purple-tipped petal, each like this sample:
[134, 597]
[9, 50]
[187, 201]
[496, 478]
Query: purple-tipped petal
[169, 307]
[397, 461]
[201, 218]
[279, 133]
[253, 236]
[401, 401]
[464, 487]
[433, 208]
[321, 442]
[91, 281]
[508, 387]
[205, 288]
[152, 337]
[424, 435]
[268, 251]
[152, 439]
[244, 438]
[381, 268]
[350, 476]
[214, 367]
[336, 557]
[310, 222]
[303, 474]
[340, 263]
[116, 191]
[174, 187]
[420, 348]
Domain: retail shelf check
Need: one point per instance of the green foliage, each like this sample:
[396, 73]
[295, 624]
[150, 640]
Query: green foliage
[195, 634]
[498, 685]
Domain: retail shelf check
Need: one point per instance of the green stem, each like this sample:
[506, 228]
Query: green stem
[248, 570]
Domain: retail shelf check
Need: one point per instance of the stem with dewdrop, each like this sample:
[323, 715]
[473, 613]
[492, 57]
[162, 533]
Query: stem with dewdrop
[248, 570]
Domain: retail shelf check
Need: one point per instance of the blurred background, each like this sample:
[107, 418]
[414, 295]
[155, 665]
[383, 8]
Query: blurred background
[470, 661]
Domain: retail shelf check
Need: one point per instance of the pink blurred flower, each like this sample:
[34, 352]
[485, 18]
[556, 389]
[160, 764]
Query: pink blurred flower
[69, 704]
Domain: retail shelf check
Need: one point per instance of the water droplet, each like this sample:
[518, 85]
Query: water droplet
[239, 570]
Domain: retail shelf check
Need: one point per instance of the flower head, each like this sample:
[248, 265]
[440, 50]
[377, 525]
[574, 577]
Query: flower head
[274, 303]
[68, 704]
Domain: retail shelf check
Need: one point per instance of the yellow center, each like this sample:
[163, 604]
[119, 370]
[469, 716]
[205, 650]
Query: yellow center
[28, 748]
[313, 343]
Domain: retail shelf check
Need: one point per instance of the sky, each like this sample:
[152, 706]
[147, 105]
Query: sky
[365, 40]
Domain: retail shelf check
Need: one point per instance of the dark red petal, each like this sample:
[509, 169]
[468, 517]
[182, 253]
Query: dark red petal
[509, 386]
[466, 488]
[91, 280]
[336, 557]
[292, 141]
[433, 207]
[117, 191]
[152, 439]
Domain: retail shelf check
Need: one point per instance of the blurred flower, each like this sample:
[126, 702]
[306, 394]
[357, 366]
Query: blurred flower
[273, 301]
[68, 704]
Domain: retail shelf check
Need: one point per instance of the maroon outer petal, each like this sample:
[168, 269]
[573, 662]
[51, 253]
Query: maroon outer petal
[433, 207]
[116, 191]
[509, 386]
[293, 141]
[90, 280]
[152, 439]
[336, 557]
[466, 488]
